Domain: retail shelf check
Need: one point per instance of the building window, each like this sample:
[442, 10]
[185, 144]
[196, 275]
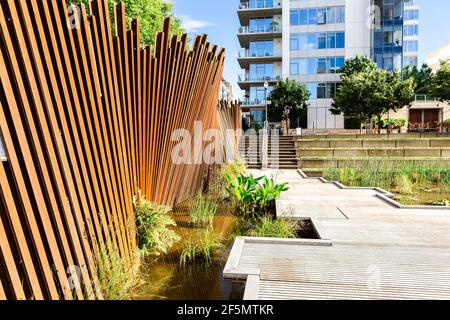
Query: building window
[410, 61]
[312, 88]
[261, 25]
[411, 30]
[411, 15]
[311, 66]
[305, 41]
[261, 71]
[257, 95]
[261, 48]
[312, 16]
[410, 46]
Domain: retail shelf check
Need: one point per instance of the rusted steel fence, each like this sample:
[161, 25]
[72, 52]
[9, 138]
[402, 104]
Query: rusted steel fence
[87, 119]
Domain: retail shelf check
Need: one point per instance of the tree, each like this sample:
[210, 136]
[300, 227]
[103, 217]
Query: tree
[287, 97]
[358, 64]
[366, 91]
[440, 85]
[422, 77]
[150, 14]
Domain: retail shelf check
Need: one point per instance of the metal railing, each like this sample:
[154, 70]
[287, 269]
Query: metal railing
[253, 30]
[253, 78]
[253, 102]
[259, 5]
[250, 54]
[424, 98]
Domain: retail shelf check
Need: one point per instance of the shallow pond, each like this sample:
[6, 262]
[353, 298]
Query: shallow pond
[424, 195]
[166, 279]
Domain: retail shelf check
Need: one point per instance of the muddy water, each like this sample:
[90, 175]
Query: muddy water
[423, 195]
[166, 279]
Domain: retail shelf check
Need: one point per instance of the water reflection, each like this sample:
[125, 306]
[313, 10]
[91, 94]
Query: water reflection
[166, 279]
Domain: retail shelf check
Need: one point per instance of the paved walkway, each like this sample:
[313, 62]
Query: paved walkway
[370, 247]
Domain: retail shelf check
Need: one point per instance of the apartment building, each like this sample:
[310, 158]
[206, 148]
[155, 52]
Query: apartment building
[309, 41]
[434, 59]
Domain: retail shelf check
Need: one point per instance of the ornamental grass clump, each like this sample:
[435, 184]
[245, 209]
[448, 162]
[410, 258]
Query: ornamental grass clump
[267, 227]
[203, 211]
[202, 248]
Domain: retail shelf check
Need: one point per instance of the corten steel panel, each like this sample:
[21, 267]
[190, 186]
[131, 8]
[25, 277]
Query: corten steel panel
[87, 119]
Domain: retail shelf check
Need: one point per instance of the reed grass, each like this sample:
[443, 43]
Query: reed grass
[201, 248]
[267, 227]
[204, 210]
[117, 275]
[403, 175]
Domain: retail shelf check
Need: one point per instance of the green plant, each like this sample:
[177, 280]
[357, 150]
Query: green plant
[253, 197]
[202, 248]
[203, 211]
[267, 192]
[153, 228]
[267, 227]
[242, 189]
[447, 121]
[116, 275]
[403, 184]
[403, 176]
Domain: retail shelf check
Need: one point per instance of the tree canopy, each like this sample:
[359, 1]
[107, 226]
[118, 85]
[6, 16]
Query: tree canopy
[287, 98]
[367, 91]
[422, 77]
[150, 13]
[440, 87]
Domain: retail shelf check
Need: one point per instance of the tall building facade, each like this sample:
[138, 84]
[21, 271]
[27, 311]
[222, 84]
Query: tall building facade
[309, 41]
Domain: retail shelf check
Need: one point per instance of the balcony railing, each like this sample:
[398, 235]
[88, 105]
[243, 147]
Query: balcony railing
[424, 98]
[259, 5]
[254, 102]
[247, 78]
[251, 54]
[268, 29]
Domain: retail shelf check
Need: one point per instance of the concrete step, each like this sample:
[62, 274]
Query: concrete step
[376, 136]
[321, 163]
[374, 143]
[381, 152]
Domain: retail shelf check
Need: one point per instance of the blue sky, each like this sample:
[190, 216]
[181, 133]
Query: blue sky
[218, 18]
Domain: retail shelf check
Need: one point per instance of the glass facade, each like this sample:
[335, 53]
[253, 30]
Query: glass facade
[261, 48]
[311, 16]
[257, 95]
[309, 66]
[260, 4]
[261, 25]
[388, 35]
[325, 40]
[261, 71]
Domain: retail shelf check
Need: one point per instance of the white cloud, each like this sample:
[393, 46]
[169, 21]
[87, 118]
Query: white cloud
[193, 25]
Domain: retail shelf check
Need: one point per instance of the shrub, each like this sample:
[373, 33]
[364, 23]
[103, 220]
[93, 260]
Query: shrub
[201, 249]
[153, 224]
[394, 123]
[204, 210]
[267, 227]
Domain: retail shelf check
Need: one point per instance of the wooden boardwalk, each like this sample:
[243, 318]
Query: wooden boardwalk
[370, 248]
